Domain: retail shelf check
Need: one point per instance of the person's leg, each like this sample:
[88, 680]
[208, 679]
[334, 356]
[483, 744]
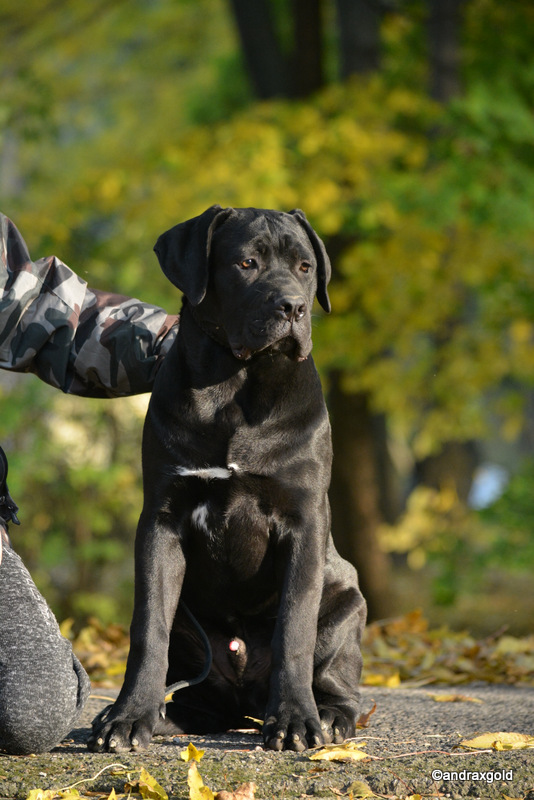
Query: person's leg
[43, 686]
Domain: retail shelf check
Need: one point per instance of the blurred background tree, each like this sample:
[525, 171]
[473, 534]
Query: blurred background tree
[404, 129]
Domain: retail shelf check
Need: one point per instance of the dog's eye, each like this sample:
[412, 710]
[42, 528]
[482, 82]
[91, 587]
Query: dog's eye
[248, 263]
[305, 267]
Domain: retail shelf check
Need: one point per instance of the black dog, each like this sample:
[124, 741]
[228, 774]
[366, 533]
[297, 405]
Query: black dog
[236, 522]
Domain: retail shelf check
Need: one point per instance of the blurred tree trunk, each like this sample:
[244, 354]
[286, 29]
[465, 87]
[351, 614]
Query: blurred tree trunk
[359, 36]
[274, 73]
[455, 464]
[444, 26]
[307, 61]
[452, 468]
[266, 63]
[355, 494]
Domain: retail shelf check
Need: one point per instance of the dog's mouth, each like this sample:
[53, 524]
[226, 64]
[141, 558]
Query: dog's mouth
[242, 353]
[296, 346]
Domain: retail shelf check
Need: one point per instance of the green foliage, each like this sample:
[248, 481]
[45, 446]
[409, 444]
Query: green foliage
[512, 515]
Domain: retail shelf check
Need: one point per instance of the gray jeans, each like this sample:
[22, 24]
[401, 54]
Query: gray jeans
[43, 686]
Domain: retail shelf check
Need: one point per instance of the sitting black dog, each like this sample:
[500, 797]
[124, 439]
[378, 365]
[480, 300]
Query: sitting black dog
[235, 528]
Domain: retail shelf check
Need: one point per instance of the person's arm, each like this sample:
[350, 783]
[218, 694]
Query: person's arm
[78, 339]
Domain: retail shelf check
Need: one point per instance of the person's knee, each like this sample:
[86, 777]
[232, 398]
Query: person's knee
[22, 733]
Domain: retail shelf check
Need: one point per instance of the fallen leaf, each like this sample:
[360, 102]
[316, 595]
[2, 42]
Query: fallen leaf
[146, 786]
[360, 789]
[340, 752]
[363, 721]
[259, 722]
[499, 741]
[53, 794]
[197, 790]
[454, 698]
[247, 791]
[379, 679]
[191, 753]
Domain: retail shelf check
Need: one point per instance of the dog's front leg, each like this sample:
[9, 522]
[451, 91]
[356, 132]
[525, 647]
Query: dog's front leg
[292, 720]
[159, 573]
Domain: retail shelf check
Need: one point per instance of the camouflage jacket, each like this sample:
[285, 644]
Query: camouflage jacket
[80, 340]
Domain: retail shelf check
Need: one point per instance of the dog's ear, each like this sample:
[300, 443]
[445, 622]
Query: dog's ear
[183, 252]
[324, 268]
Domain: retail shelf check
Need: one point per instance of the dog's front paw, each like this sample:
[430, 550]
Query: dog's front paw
[293, 728]
[116, 731]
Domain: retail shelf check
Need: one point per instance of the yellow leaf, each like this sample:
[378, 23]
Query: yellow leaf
[340, 752]
[453, 698]
[360, 789]
[191, 754]
[499, 741]
[259, 722]
[197, 790]
[147, 787]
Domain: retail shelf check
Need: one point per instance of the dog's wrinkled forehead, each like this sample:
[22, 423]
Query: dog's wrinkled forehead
[266, 233]
[187, 250]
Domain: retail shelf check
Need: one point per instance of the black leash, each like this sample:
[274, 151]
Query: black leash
[175, 687]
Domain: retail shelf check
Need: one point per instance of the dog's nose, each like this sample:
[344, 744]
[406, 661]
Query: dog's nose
[291, 308]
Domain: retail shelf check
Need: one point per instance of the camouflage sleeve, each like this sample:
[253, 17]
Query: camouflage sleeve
[78, 339]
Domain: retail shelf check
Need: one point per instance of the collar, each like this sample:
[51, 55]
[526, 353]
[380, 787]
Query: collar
[215, 332]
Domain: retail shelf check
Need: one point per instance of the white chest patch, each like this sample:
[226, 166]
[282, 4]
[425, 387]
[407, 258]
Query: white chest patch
[209, 473]
[199, 517]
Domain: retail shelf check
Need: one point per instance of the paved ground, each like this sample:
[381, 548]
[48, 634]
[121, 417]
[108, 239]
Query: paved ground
[413, 739]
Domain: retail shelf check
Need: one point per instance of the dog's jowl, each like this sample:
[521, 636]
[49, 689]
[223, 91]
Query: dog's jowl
[234, 539]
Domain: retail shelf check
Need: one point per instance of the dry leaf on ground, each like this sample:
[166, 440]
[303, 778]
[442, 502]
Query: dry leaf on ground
[247, 791]
[359, 789]
[454, 698]
[197, 790]
[499, 741]
[146, 786]
[363, 721]
[350, 751]
[191, 753]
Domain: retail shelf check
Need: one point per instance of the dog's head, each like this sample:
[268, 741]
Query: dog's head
[251, 273]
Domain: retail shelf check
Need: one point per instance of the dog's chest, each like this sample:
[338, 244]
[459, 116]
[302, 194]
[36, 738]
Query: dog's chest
[229, 542]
